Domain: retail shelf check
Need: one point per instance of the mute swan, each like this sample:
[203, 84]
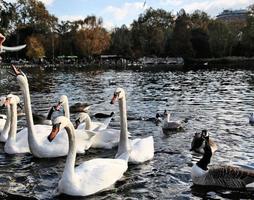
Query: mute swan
[4, 48]
[223, 176]
[37, 134]
[2, 117]
[198, 142]
[13, 146]
[89, 125]
[91, 176]
[5, 123]
[104, 138]
[141, 149]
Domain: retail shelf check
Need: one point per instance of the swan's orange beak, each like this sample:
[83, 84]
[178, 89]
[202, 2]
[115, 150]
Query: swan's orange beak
[55, 130]
[2, 39]
[16, 71]
[113, 100]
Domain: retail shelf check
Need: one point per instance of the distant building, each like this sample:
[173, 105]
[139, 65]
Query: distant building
[233, 15]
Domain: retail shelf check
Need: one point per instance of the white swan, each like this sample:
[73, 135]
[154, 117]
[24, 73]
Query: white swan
[5, 121]
[89, 125]
[13, 146]
[2, 117]
[223, 176]
[141, 149]
[37, 134]
[91, 176]
[104, 138]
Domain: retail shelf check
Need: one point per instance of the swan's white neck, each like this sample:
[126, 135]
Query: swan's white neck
[88, 122]
[123, 146]
[33, 144]
[4, 134]
[66, 109]
[13, 128]
[70, 161]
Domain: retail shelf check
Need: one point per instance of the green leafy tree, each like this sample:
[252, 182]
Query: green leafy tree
[181, 37]
[121, 42]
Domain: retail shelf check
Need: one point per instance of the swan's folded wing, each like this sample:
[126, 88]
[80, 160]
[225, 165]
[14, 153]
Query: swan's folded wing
[141, 150]
[98, 174]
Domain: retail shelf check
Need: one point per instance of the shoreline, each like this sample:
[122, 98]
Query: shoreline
[189, 64]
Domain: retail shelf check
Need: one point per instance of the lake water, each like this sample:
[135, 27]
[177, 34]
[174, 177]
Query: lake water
[215, 100]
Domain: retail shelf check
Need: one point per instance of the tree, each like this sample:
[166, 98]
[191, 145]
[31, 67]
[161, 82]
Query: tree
[219, 35]
[181, 43]
[92, 39]
[121, 42]
[149, 32]
[7, 13]
[35, 48]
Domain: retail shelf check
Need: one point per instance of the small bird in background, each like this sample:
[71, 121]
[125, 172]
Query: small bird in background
[144, 4]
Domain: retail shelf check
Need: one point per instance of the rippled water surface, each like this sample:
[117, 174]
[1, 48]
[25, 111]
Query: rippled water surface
[216, 100]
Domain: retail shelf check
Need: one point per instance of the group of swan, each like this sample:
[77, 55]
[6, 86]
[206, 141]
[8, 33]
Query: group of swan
[64, 139]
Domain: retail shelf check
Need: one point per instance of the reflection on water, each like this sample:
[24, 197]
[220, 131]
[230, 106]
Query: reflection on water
[216, 100]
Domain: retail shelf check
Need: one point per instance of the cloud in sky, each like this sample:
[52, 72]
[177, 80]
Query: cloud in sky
[215, 7]
[171, 2]
[126, 10]
[47, 2]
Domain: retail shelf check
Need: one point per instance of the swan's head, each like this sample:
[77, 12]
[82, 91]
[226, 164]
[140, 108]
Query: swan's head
[58, 124]
[2, 101]
[63, 100]
[118, 95]
[13, 99]
[21, 77]
[81, 118]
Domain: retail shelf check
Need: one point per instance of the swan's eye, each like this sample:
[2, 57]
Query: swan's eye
[56, 126]
[117, 94]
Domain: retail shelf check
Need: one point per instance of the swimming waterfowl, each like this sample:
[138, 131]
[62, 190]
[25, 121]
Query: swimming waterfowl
[169, 125]
[142, 149]
[15, 143]
[5, 121]
[91, 176]
[251, 118]
[104, 137]
[37, 134]
[91, 125]
[103, 115]
[222, 176]
[198, 142]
